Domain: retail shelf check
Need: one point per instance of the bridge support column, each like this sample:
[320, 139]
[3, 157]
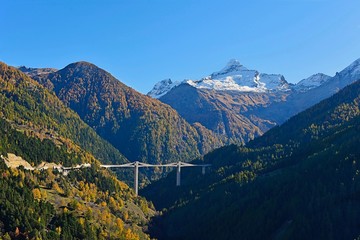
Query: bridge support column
[136, 178]
[178, 171]
[203, 170]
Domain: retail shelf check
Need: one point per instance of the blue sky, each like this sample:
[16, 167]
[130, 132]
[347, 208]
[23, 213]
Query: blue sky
[143, 42]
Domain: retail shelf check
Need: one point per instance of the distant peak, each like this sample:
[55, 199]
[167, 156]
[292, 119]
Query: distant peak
[354, 66]
[82, 63]
[162, 87]
[318, 76]
[233, 65]
[313, 81]
[166, 81]
[83, 66]
[234, 62]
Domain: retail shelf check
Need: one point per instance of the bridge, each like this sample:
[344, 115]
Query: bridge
[136, 165]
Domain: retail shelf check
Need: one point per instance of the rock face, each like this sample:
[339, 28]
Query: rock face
[241, 104]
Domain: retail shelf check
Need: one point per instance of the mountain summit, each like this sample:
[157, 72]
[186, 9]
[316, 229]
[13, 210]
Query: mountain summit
[162, 87]
[311, 82]
[233, 77]
[232, 66]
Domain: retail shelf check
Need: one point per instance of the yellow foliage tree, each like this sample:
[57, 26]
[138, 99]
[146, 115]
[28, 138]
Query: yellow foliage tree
[37, 194]
[129, 235]
[43, 194]
[120, 224]
[57, 188]
[58, 230]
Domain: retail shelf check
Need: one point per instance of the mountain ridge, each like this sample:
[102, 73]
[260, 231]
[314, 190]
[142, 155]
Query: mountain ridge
[247, 80]
[248, 114]
[142, 128]
[233, 77]
[31, 108]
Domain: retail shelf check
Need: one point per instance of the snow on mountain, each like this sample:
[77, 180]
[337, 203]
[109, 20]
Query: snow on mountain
[237, 77]
[231, 67]
[351, 73]
[234, 77]
[274, 82]
[311, 82]
[162, 87]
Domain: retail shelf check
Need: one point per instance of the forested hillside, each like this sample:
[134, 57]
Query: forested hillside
[229, 114]
[143, 129]
[85, 204]
[298, 181]
[32, 109]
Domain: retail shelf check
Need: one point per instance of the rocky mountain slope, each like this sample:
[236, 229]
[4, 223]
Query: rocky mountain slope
[142, 128]
[241, 104]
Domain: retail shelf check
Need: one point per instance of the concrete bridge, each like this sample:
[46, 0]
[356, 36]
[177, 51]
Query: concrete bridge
[136, 165]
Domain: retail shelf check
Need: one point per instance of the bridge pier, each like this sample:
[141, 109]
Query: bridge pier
[136, 178]
[178, 172]
[203, 170]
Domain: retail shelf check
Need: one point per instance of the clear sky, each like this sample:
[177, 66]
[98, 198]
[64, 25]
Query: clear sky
[144, 41]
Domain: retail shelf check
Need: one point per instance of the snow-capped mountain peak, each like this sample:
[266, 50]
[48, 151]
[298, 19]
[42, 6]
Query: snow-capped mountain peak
[231, 67]
[233, 77]
[311, 82]
[352, 71]
[162, 87]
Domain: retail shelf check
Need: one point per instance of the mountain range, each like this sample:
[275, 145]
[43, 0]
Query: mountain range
[299, 180]
[243, 103]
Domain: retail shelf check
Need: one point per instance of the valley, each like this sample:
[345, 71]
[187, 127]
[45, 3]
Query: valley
[266, 158]
[180, 120]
